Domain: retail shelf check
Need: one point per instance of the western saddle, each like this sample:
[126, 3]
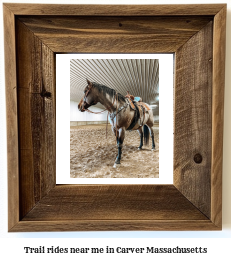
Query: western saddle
[141, 106]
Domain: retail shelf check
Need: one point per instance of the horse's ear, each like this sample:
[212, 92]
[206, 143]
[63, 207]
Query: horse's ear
[88, 82]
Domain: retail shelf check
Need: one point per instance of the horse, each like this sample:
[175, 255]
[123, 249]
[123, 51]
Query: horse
[124, 114]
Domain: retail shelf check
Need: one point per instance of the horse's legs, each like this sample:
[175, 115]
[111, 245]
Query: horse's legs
[151, 129]
[120, 139]
[140, 130]
[150, 124]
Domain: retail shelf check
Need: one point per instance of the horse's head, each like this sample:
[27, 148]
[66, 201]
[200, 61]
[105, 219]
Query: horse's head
[89, 97]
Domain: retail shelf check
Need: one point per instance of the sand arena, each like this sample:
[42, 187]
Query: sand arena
[93, 156]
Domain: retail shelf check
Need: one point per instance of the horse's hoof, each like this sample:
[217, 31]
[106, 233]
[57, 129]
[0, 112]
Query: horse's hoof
[153, 149]
[116, 165]
[139, 148]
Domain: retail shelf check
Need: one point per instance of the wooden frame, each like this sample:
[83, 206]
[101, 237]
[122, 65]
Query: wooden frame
[33, 35]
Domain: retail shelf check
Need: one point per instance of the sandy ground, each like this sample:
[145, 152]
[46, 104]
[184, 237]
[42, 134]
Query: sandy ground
[93, 156]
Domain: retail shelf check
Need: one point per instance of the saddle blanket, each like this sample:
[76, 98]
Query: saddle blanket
[137, 99]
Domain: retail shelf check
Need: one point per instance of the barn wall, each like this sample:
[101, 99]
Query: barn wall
[83, 118]
[156, 118]
[155, 112]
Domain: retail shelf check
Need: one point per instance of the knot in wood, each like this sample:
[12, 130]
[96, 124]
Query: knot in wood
[45, 94]
[198, 158]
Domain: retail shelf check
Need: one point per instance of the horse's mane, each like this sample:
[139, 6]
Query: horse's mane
[106, 90]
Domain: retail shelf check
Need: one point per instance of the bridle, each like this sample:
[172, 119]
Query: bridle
[85, 98]
[116, 99]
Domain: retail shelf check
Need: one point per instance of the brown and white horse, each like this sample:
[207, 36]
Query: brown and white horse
[123, 114]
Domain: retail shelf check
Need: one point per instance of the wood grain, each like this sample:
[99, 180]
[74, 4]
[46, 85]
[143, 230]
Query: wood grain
[11, 116]
[193, 126]
[113, 202]
[36, 106]
[114, 207]
[218, 115]
[77, 25]
[114, 34]
[114, 225]
[115, 10]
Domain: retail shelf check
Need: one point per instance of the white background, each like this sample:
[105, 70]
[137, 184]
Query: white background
[218, 242]
[63, 122]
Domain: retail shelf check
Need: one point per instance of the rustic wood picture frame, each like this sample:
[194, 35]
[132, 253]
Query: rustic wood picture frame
[33, 34]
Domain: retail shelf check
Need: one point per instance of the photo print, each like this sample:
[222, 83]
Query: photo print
[114, 117]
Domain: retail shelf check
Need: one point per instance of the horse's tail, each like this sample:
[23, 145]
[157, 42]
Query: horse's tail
[146, 135]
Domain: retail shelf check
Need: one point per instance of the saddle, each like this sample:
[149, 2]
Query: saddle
[132, 100]
[136, 117]
[129, 96]
[140, 109]
[136, 100]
